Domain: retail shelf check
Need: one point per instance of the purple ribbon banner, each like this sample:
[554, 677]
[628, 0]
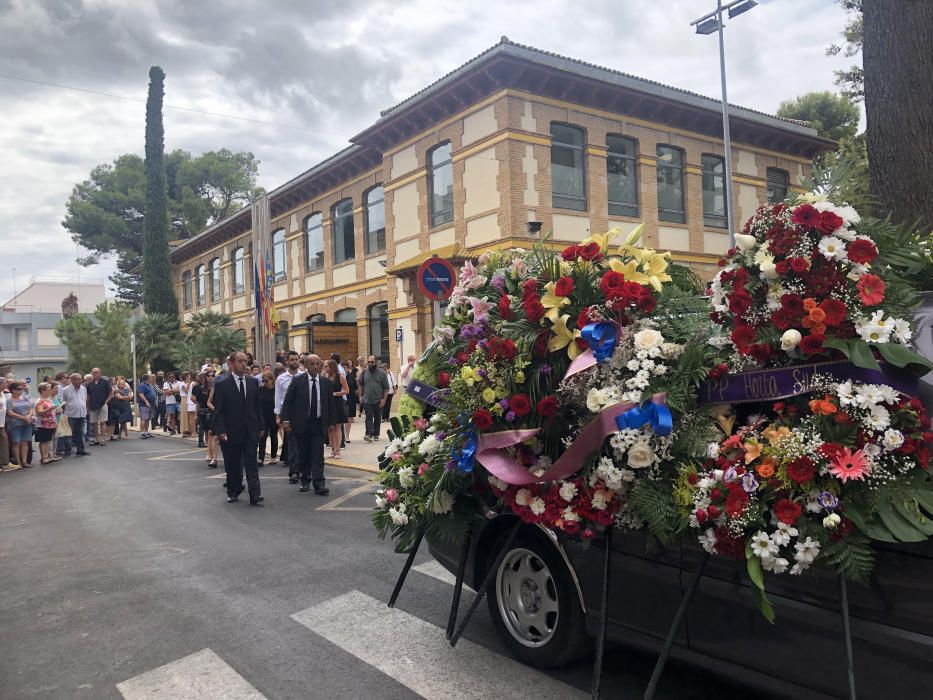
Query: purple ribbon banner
[785, 382]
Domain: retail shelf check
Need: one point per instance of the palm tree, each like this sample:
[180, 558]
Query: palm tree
[155, 335]
[220, 341]
[203, 321]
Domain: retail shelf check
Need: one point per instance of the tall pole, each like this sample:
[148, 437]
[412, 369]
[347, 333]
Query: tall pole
[727, 141]
[135, 383]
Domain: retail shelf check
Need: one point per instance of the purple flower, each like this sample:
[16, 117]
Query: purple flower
[450, 466]
[510, 416]
[452, 361]
[440, 435]
[498, 281]
[729, 475]
[749, 483]
[481, 372]
[504, 404]
[828, 500]
[545, 369]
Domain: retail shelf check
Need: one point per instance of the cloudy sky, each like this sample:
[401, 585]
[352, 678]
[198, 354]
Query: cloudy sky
[311, 74]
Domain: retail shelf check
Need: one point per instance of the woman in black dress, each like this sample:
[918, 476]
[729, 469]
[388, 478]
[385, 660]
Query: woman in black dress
[352, 398]
[267, 426]
[202, 392]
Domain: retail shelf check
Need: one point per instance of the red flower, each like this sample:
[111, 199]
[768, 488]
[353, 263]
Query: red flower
[583, 317]
[540, 348]
[736, 503]
[862, 251]
[645, 303]
[829, 222]
[799, 264]
[835, 311]
[632, 290]
[801, 470]
[443, 379]
[520, 404]
[529, 287]
[564, 287]
[781, 319]
[782, 267]
[728, 545]
[871, 290]
[812, 344]
[482, 419]
[590, 251]
[743, 337]
[739, 278]
[793, 303]
[547, 407]
[786, 511]
[570, 253]
[806, 215]
[739, 302]
[462, 357]
[533, 309]
[505, 312]
[612, 284]
[761, 352]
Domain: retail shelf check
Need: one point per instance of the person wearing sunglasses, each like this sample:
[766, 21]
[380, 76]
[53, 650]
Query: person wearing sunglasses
[268, 428]
[19, 417]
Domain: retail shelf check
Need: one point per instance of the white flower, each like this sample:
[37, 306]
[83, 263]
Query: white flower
[671, 351]
[762, 546]
[892, 439]
[647, 339]
[406, 477]
[380, 502]
[790, 340]
[640, 455]
[497, 482]
[868, 395]
[398, 515]
[569, 516]
[707, 540]
[872, 450]
[798, 569]
[568, 490]
[874, 329]
[429, 446]
[889, 394]
[878, 417]
[902, 331]
[782, 535]
[777, 565]
[633, 365]
[595, 400]
[538, 505]
[712, 450]
[745, 242]
[442, 502]
[627, 475]
[599, 500]
[813, 505]
[831, 521]
[523, 497]
[844, 392]
[832, 248]
[806, 551]
[769, 271]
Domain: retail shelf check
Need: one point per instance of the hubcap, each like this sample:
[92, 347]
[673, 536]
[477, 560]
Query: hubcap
[527, 598]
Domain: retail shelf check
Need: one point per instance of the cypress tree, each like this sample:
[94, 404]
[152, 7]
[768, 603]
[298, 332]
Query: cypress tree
[158, 293]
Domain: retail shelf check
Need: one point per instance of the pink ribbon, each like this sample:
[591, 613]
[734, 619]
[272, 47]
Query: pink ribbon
[583, 361]
[490, 449]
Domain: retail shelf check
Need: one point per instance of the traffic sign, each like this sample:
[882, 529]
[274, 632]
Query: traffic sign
[436, 278]
[29, 380]
[398, 334]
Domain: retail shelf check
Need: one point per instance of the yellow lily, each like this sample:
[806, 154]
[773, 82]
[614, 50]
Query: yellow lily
[774, 434]
[653, 266]
[564, 337]
[602, 238]
[552, 302]
[752, 451]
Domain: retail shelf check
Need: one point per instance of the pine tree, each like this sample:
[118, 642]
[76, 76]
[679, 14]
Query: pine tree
[158, 294]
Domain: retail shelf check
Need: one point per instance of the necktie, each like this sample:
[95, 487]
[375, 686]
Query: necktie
[314, 397]
[242, 390]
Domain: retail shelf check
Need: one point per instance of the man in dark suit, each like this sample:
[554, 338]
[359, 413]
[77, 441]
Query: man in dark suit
[236, 425]
[308, 410]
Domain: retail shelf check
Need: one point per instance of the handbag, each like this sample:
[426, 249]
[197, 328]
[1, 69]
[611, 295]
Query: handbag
[64, 427]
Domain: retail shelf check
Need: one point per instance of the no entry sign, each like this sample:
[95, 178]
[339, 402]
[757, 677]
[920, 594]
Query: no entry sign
[436, 278]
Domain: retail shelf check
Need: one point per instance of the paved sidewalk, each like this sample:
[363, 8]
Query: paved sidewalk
[358, 454]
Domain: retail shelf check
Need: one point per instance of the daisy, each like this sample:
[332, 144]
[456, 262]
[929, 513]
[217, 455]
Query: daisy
[889, 394]
[708, 541]
[776, 565]
[762, 546]
[833, 248]
[871, 289]
[850, 465]
[878, 418]
[782, 535]
[867, 395]
[806, 551]
[845, 394]
[902, 331]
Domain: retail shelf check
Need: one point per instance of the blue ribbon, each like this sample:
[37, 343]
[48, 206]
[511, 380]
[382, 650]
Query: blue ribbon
[601, 338]
[467, 453]
[657, 414]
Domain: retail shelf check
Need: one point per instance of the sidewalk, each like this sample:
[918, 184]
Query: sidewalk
[358, 454]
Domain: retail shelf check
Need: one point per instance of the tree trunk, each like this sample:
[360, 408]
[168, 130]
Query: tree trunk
[898, 64]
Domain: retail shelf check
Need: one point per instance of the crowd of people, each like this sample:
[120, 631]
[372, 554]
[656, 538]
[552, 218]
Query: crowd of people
[68, 413]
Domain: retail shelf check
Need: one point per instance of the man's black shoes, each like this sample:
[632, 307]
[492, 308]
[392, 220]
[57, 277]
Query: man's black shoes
[304, 488]
[232, 499]
[258, 502]
[322, 492]
[293, 479]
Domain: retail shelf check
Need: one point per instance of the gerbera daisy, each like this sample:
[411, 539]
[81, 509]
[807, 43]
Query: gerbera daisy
[871, 289]
[848, 465]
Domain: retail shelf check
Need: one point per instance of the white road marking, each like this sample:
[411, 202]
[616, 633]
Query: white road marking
[435, 569]
[416, 654]
[202, 675]
[335, 504]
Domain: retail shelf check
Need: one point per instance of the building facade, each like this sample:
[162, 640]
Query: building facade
[515, 144]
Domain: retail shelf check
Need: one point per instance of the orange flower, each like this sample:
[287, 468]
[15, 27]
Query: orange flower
[766, 468]
[775, 434]
[809, 304]
[818, 329]
[752, 451]
[824, 406]
[817, 314]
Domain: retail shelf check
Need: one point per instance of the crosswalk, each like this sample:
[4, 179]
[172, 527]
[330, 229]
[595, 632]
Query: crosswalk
[402, 646]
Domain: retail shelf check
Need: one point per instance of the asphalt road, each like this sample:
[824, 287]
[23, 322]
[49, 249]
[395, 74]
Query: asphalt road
[128, 568]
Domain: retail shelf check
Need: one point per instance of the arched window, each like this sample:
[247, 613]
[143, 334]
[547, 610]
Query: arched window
[568, 176]
[316, 318]
[343, 231]
[379, 330]
[375, 220]
[441, 185]
[201, 282]
[714, 190]
[215, 279]
[186, 288]
[671, 205]
[314, 242]
[278, 255]
[345, 316]
[239, 271]
[622, 176]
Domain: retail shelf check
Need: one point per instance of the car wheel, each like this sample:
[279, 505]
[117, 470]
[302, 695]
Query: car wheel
[534, 604]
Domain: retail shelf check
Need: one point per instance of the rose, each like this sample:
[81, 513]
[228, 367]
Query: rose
[529, 286]
[482, 419]
[782, 267]
[570, 253]
[443, 379]
[520, 404]
[786, 511]
[422, 468]
[790, 340]
[547, 407]
[534, 310]
[648, 338]
[612, 284]
[540, 349]
[640, 455]
[391, 495]
[505, 312]
[829, 222]
[645, 303]
[812, 344]
[799, 264]
[564, 287]
[740, 302]
[590, 251]
[745, 242]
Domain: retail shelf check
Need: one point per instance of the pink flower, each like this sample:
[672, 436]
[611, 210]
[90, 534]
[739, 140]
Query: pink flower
[847, 464]
[391, 495]
[396, 456]
[421, 423]
[480, 309]
[422, 469]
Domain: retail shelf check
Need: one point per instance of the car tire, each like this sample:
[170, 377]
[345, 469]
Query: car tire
[534, 603]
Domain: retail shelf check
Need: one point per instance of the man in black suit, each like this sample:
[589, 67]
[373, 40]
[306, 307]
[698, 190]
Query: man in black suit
[236, 425]
[308, 410]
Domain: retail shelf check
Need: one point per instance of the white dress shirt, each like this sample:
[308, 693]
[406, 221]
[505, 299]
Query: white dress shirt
[281, 386]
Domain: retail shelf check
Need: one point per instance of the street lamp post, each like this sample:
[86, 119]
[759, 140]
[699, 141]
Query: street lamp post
[707, 24]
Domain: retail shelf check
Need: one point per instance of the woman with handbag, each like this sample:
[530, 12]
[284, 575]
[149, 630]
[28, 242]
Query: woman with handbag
[332, 372]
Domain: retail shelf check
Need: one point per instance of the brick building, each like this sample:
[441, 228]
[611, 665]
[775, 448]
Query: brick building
[516, 135]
